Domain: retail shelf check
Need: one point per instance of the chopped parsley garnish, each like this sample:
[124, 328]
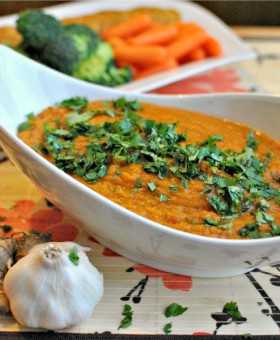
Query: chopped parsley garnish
[251, 142]
[209, 222]
[164, 198]
[152, 186]
[75, 103]
[173, 188]
[233, 181]
[73, 256]
[168, 328]
[232, 310]
[26, 125]
[6, 228]
[127, 320]
[138, 186]
[174, 309]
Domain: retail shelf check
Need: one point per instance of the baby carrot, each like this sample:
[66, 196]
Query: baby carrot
[167, 64]
[185, 28]
[156, 35]
[142, 56]
[128, 28]
[187, 43]
[196, 55]
[116, 42]
[212, 47]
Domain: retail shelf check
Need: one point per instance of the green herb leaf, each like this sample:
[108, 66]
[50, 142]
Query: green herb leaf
[209, 222]
[138, 185]
[127, 320]
[164, 198]
[73, 256]
[75, 103]
[173, 188]
[174, 309]
[251, 142]
[168, 328]
[24, 126]
[152, 186]
[6, 228]
[231, 309]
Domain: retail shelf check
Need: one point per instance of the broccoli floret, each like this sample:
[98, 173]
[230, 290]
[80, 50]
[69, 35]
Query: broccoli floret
[69, 48]
[95, 70]
[72, 49]
[91, 69]
[61, 54]
[115, 76]
[85, 39]
[105, 52]
[37, 29]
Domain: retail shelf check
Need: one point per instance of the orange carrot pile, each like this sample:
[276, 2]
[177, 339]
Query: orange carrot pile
[150, 48]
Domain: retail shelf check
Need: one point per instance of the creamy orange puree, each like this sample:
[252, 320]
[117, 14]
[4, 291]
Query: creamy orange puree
[187, 208]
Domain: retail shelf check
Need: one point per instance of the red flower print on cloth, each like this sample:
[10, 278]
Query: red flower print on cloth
[25, 216]
[170, 281]
[216, 81]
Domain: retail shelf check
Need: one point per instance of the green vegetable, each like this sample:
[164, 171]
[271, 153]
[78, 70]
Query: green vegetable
[75, 103]
[232, 310]
[152, 186]
[26, 125]
[73, 256]
[164, 198]
[168, 328]
[85, 39]
[99, 68]
[105, 52]
[37, 29]
[138, 186]
[174, 309]
[6, 228]
[90, 69]
[209, 222]
[61, 54]
[127, 320]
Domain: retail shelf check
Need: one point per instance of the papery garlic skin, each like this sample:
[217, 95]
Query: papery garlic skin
[46, 290]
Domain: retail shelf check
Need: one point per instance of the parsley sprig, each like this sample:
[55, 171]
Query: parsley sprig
[128, 314]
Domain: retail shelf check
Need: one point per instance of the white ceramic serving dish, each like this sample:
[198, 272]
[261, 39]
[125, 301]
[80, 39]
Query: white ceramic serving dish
[26, 87]
[234, 49]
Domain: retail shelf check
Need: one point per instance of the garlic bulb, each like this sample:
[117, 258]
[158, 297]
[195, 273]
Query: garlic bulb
[54, 286]
[7, 251]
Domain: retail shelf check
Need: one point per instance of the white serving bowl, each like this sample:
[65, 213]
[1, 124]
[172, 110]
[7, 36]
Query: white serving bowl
[26, 87]
[234, 49]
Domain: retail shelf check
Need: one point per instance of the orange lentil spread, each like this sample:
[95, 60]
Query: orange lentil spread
[187, 207]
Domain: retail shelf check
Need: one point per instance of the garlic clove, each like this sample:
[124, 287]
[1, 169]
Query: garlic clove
[47, 290]
[4, 304]
[7, 250]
